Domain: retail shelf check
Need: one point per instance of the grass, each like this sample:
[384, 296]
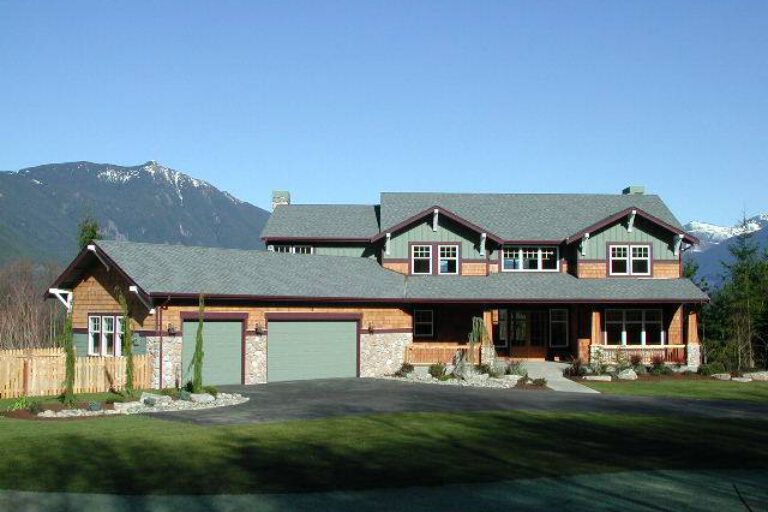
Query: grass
[79, 397]
[710, 389]
[143, 455]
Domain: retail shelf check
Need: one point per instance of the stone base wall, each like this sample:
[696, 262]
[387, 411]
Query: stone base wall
[256, 359]
[693, 356]
[171, 364]
[382, 353]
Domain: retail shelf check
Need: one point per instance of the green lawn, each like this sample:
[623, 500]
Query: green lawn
[686, 388]
[79, 398]
[138, 455]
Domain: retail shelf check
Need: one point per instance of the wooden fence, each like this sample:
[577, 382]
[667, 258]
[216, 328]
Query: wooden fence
[41, 372]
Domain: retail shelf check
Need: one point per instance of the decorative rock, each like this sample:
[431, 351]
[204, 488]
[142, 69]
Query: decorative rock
[155, 398]
[721, 376]
[483, 377]
[600, 378]
[758, 376]
[201, 398]
[627, 374]
[512, 378]
[126, 406]
[741, 379]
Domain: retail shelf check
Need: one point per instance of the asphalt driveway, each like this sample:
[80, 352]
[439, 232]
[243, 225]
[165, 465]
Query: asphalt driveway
[344, 397]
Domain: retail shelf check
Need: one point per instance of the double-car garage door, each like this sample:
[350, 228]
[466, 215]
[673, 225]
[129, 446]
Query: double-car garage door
[296, 350]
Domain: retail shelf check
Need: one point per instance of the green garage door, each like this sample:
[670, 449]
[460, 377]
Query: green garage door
[299, 350]
[222, 347]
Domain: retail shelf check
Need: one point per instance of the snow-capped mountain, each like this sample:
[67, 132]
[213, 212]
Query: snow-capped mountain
[40, 208]
[712, 234]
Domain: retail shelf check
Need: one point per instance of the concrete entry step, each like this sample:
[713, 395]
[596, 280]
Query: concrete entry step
[553, 372]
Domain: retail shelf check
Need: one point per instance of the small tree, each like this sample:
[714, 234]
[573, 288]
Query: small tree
[478, 335]
[127, 343]
[197, 358]
[88, 231]
[69, 350]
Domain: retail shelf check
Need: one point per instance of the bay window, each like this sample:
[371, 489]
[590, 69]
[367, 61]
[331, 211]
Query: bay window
[626, 260]
[539, 259]
[421, 259]
[105, 335]
[634, 327]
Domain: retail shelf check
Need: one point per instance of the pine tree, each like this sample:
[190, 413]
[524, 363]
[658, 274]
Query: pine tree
[88, 231]
[69, 351]
[197, 358]
[127, 343]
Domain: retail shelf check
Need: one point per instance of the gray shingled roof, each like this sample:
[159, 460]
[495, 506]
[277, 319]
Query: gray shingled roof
[550, 287]
[184, 269]
[177, 269]
[323, 221]
[523, 216]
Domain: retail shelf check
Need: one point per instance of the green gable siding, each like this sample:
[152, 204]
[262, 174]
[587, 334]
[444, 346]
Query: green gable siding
[643, 232]
[358, 251]
[80, 340]
[447, 231]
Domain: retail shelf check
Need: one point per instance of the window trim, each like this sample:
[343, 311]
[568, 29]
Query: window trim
[643, 322]
[457, 258]
[291, 248]
[567, 328]
[117, 320]
[629, 259]
[539, 258]
[431, 324]
[429, 258]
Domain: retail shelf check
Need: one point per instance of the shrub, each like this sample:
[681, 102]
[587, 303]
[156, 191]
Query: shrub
[640, 369]
[171, 392]
[211, 390]
[20, 403]
[447, 376]
[404, 370]
[184, 395]
[661, 369]
[484, 368]
[712, 368]
[577, 369]
[35, 407]
[599, 366]
[94, 406]
[516, 368]
[636, 360]
[540, 382]
[622, 360]
[657, 360]
[437, 370]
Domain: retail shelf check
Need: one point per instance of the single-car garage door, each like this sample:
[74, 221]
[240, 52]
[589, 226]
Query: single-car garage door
[222, 352]
[300, 350]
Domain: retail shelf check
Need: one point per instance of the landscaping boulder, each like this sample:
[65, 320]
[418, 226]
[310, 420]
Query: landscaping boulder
[126, 406]
[627, 374]
[600, 378]
[153, 399]
[512, 378]
[201, 398]
[741, 379]
[758, 376]
[721, 376]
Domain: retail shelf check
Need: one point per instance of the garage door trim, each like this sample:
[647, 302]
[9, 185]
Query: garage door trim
[320, 317]
[194, 316]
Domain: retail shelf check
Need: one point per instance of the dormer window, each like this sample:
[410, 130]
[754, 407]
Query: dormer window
[448, 262]
[292, 249]
[532, 259]
[421, 259]
[435, 258]
[630, 260]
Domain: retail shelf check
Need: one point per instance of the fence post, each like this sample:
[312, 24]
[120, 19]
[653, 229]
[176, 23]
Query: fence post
[26, 377]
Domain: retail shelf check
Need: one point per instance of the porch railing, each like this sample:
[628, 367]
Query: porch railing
[423, 353]
[669, 353]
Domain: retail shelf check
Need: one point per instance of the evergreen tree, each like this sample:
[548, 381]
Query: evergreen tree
[197, 358]
[127, 343]
[69, 350]
[88, 231]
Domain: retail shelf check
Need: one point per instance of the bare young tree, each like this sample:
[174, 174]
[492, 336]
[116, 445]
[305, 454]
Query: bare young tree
[27, 320]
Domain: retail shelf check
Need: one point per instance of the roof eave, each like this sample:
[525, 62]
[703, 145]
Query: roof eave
[623, 213]
[443, 211]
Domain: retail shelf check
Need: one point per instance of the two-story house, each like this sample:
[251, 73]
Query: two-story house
[356, 290]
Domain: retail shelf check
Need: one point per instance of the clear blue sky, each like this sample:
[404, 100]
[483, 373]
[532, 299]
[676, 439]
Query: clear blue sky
[336, 101]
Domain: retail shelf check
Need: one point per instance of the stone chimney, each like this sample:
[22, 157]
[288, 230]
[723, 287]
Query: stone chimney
[634, 190]
[280, 197]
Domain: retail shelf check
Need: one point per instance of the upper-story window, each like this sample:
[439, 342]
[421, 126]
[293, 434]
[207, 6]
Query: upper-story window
[540, 259]
[293, 249]
[630, 260]
[421, 259]
[448, 262]
[428, 259]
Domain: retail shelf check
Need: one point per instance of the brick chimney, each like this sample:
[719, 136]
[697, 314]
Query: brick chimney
[634, 190]
[280, 197]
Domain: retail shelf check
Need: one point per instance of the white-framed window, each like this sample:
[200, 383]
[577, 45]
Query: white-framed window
[421, 259]
[105, 335]
[537, 259]
[423, 323]
[629, 260]
[558, 328]
[448, 259]
[292, 249]
[634, 327]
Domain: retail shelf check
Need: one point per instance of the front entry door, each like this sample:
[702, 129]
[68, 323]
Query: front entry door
[527, 334]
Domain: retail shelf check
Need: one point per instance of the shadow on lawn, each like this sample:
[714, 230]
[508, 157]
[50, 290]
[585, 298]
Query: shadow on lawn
[379, 452]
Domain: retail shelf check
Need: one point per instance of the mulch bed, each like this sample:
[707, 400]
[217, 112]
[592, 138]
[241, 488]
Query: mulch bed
[24, 414]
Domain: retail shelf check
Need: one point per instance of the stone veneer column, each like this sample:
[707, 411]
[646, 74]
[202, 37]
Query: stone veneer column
[256, 359]
[382, 353]
[171, 361]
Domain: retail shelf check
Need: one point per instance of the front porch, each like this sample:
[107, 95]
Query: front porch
[558, 332]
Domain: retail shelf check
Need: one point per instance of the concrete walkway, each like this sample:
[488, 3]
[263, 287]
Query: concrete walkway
[553, 372]
[628, 491]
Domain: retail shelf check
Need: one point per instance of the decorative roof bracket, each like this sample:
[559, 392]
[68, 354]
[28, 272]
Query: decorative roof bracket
[631, 220]
[435, 213]
[678, 244]
[92, 248]
[64, 296]
[583, 244]
[387, 243]
[483, 237]
[135, 290]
